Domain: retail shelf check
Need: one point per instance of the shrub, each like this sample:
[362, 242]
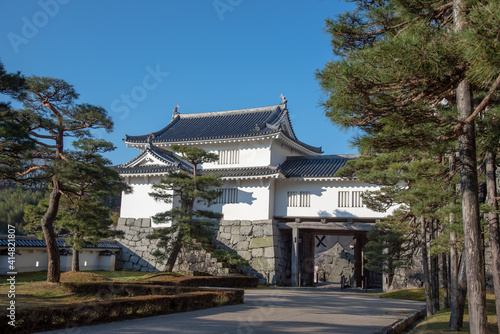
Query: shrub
[233, 260]
[212, 281]
[68, 316]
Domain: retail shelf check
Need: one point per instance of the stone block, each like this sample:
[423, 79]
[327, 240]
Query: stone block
[258, 231]
[146, 222]
[130, 222]
[246, 230]
[268, 229]
[142, 248]
[127, 266]
[134, 259]
[121, 222]
[245, 254]
[225, 236]
[142, 262]
[235, 229]
[257, 252]
[242, 245]
[261, 264]
[147, 242]
[261, 242]
[269, 252]
[129, 235]
[236, 238]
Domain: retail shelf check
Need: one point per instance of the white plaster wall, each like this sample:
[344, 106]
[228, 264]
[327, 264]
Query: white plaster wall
[253, 201]
[33, 259]
[324, 199]
[280, 151]
[252, 153]
[66, 262]
[89, 260]
[29, 260]
[139, 204]
[107, 262]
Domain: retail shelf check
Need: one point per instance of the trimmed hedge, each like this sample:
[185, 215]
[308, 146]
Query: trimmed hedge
[159, 300]
[124, 289]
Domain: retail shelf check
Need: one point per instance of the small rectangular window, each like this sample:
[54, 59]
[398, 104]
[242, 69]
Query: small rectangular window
[357, 200]
[228, 196]
[343, 199]
[298, 198]
[229, 157]
[350, 199]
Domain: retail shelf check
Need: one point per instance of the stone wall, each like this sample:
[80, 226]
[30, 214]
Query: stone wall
[137, 248]
[411, 276]
[260, 243]
[334, 263]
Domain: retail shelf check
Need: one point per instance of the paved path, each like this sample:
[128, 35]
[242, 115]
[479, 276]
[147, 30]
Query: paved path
[281, 310]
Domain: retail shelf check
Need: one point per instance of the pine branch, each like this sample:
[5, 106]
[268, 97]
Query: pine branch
[29, 170]
[34, 134]
[484, 103]
[45, 145]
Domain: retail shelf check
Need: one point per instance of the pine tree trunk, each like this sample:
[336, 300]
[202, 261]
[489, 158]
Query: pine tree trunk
[75, 263]
[476, 283]
[493, 225]
[434, 270]
[425, 266]
[435, 283]
[177, 246]
[454, 272]
[462, 292]
[446, 282]
[454, 265]
[54, 262]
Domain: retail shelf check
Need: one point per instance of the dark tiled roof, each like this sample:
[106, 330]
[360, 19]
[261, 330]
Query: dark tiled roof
[314, 166]
[143, 169]
[224, 124]
[242, 171]
[22, 241]
[168, 162]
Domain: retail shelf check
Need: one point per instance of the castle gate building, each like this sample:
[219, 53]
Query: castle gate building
[281, 201]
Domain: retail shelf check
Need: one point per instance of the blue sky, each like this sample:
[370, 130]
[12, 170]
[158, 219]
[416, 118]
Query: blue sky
[138, 59]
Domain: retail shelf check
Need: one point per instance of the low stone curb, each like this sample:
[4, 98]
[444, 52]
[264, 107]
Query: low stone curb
[400, 326]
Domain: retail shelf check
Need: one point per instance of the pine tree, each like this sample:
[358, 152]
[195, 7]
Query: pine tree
[399, 62]
[419, 185]
[14, 142]
[86, 179]
[489, 146]
[188, 223]
[50, 115]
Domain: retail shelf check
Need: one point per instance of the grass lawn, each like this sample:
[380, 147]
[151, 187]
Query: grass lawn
[33, 290]
[438, 323]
